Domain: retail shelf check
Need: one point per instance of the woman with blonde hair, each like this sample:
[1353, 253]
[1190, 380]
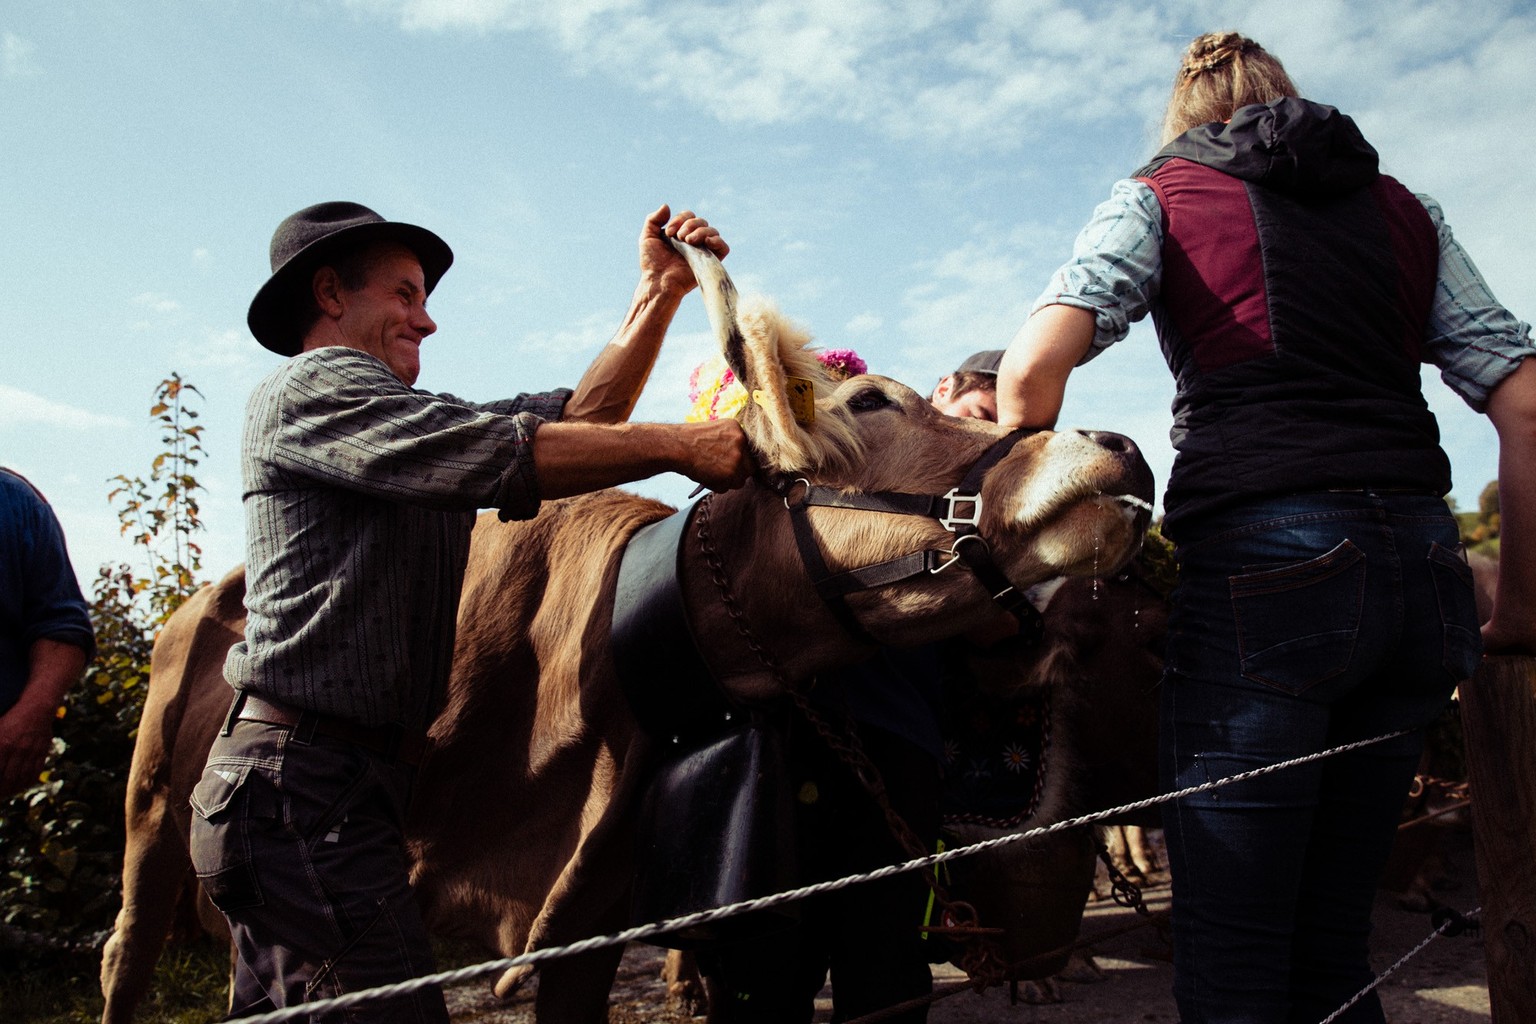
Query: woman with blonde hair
[1323, 597]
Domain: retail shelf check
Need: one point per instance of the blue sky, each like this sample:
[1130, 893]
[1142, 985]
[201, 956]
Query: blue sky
[901, 177]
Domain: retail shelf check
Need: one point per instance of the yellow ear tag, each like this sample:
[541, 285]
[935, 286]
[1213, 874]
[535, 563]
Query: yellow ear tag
[800, 394]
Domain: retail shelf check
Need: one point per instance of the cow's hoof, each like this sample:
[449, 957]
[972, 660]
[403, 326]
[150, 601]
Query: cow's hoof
[513, 980]
[1041, 992]
[687, 998]
[1081, 969]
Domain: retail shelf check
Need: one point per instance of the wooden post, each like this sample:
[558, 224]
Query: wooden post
[1498, 714]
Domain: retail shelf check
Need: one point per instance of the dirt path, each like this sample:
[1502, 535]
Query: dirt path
[1444, 984]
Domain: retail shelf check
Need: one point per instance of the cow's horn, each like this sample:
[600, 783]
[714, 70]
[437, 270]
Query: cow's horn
[719, 294]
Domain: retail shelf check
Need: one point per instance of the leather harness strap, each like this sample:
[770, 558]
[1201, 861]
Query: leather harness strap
[958, 510]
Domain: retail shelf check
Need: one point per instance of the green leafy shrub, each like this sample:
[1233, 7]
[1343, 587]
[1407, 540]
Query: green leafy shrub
[62, 839]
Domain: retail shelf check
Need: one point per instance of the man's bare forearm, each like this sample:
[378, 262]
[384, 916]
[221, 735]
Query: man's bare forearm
[574, 458]
[26, 730]
[608, 391]
[1512, 408]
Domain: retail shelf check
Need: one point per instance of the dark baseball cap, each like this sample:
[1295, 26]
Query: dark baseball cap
[986, 361]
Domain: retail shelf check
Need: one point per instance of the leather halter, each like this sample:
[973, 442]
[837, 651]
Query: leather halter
[958, 511]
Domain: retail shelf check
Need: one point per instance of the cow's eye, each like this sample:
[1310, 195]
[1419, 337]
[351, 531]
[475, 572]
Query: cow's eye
[868, 399]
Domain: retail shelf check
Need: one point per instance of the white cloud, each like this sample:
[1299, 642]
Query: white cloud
[157, 303]
[217, 349]
[864, 324]
[579, 341]
[22, 408]
[1002, 69]
[994, 73]
[970, 296]
[16, 56]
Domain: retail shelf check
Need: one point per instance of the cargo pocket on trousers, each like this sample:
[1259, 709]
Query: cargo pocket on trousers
[220, 840]
[1297, 624]
[1458, 612]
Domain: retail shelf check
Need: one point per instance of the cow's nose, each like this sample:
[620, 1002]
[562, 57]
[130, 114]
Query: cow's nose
[1118, 443]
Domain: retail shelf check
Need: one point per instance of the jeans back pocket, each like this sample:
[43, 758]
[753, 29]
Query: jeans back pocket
[1297, 624]
[1458, 612]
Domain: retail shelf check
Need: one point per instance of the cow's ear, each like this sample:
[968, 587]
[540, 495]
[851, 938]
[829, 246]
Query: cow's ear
[783, 379]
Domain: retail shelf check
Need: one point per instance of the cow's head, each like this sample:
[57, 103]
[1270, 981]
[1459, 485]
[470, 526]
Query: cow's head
[1057, 503]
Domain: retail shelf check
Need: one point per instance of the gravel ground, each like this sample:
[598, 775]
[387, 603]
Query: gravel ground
[1443, 984]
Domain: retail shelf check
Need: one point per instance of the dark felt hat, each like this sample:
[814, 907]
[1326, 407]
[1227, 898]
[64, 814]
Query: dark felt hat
[983, 362]
[303, 242]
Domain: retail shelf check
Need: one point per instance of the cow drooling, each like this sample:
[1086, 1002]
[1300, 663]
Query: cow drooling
[1079, 502]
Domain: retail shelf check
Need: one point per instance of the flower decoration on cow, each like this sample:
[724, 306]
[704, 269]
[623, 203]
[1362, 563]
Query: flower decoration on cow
[715, 393]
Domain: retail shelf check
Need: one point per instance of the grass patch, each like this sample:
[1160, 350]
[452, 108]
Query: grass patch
[190, 987]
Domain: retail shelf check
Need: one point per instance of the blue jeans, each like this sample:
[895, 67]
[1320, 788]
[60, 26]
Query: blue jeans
[1300, 623]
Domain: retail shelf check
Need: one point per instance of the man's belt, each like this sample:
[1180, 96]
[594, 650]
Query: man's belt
[391, 742]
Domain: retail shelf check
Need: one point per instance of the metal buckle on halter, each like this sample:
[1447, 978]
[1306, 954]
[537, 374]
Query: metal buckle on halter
[954, 518]
[791, 486]
[954, 551]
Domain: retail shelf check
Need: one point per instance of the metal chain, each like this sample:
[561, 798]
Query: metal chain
[1122, 890]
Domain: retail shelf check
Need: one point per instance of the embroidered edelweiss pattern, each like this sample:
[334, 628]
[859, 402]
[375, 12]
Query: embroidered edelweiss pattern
[1017, 758]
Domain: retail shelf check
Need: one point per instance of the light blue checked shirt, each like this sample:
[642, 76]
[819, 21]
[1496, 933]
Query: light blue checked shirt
[1116, 274]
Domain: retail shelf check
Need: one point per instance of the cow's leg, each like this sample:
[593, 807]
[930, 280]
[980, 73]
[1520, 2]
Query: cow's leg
[155, 867]
[574, 989]
[1121, 841]
[685, 986]
[1140, 850]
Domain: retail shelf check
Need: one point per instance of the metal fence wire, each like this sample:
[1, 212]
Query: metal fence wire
[1453, 923]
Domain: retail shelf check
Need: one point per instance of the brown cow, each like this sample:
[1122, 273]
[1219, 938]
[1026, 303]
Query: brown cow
[1100, 662]
[522, 829]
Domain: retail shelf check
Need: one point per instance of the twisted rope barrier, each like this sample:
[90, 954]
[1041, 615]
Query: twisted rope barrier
[1451, 925]
[645, 931]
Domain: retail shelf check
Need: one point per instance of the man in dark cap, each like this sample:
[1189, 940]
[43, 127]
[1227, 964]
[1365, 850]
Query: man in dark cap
[971, 391]
[360, 494]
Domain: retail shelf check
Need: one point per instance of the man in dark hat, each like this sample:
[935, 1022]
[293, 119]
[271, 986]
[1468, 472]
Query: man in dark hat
[360, 493]
[971, 391]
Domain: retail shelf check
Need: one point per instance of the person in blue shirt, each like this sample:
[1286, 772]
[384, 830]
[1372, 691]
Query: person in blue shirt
[46, 637]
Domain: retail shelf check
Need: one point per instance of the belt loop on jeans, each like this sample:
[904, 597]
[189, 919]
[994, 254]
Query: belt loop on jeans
[234, 713]
[304, 729]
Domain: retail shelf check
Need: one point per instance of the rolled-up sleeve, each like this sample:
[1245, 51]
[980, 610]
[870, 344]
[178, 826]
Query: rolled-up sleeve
[40, 598]
[346, 421]
[1470, 336]
[57, 610]
[1116, 266]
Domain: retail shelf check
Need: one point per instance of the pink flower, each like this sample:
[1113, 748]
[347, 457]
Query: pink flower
[842, 363]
